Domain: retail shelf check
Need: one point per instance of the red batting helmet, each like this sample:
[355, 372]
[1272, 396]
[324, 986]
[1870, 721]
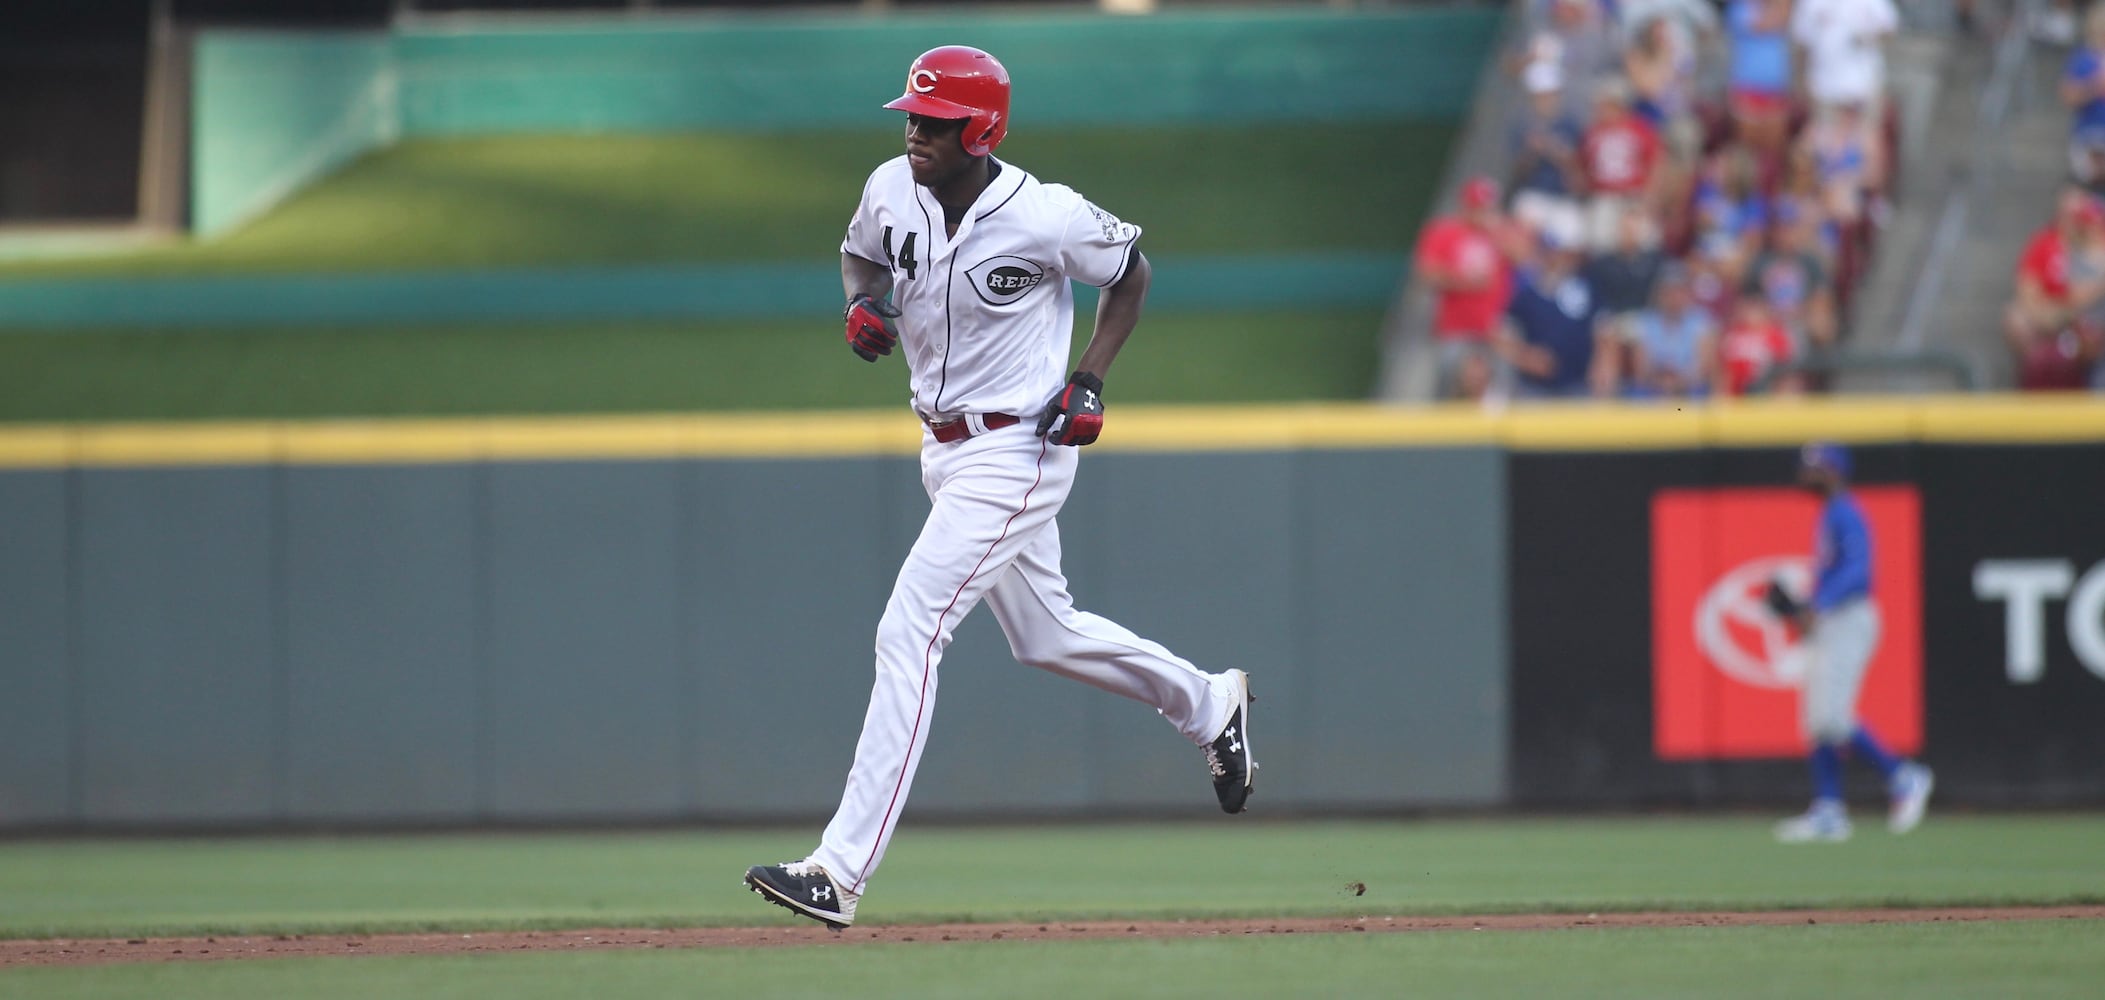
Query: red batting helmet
[959, 81]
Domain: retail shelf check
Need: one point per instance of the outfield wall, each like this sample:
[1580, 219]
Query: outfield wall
[1645, 671]
[261, 630]
[275, 110]
[609, 619]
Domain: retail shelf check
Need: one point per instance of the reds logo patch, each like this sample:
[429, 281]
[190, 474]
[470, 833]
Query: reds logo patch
[1726, 672]
[1002, 280]
[922, 81]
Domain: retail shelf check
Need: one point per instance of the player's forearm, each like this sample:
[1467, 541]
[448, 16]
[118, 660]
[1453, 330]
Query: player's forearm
[1117, 313]
[864, 277]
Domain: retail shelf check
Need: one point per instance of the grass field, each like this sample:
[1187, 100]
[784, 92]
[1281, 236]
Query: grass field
[470, 882]
[1925, 961]
[491, 881]
[114, 888]
[551, 200]
[116, 375]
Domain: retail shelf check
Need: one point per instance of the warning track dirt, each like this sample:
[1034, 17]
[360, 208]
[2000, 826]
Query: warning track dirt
[235, 948]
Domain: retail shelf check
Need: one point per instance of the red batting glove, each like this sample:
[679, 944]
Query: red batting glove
[870, 329]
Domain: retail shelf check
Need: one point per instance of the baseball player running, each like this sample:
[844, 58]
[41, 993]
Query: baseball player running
[962, 262]
[1840, 624]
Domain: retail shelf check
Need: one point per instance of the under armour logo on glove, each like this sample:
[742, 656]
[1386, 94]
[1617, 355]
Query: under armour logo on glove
[1075, 414]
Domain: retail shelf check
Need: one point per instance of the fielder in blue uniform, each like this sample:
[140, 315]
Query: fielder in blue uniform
[1840, 623]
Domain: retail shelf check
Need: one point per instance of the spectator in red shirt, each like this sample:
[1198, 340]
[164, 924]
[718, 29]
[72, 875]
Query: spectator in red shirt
[1463, 258]
[1753, 343]
[2061, 274]
[1620, 155]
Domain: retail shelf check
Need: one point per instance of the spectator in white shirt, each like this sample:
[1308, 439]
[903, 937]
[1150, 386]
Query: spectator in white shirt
[1845, 60]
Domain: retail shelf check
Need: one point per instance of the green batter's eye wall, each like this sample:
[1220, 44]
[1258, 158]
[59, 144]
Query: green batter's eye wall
[621, 619]
[273, 110]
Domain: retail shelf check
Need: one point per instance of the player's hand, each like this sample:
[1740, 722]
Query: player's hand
[870, 329]
[1075, 414]
[1780, 602]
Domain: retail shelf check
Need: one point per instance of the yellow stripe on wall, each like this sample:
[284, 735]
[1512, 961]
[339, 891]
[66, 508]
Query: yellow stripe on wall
[863, 433]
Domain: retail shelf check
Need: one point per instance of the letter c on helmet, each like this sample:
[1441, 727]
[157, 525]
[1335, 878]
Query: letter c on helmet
[922, 81]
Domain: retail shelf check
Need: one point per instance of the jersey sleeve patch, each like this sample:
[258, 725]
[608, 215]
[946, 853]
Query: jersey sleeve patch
[1097, 245]
[1112, 230]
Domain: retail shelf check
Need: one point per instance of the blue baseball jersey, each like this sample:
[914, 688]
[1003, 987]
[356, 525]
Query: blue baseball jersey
[1841, 553]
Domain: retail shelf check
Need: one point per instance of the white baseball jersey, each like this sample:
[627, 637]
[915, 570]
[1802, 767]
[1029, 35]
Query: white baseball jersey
[988, 314]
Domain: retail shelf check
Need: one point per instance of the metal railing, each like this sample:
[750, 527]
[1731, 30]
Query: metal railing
[2012, 55]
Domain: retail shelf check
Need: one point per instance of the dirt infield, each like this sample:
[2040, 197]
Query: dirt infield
[104, 951]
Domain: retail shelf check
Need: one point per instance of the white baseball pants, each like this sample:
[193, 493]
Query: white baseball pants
[1842, 642]
[991, 534]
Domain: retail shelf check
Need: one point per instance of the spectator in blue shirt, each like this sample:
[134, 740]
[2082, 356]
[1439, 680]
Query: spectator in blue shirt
[1760, 75]
[1840, 624]
[1731, 212]
[1548, 338]
[2083, 90]
[1673, 344]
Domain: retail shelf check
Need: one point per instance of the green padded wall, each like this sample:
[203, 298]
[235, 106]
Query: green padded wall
[780, 73]
[272, 111]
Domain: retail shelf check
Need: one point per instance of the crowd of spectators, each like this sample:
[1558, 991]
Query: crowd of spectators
[2055, 322]
[1690, 194]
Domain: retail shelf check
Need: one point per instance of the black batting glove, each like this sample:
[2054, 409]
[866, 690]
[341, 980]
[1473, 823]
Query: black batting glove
[870, 329]
[1075, 414]
[1780, 602]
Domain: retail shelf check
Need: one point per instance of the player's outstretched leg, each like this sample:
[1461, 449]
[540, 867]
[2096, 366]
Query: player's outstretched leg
[1908, 784]
[1046, 631]
[991, 495]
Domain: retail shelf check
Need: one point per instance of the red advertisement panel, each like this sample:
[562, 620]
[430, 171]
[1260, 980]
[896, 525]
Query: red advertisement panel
[1726, 670]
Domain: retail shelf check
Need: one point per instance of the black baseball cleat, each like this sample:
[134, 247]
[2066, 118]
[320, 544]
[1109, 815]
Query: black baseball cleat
[803, 887]
[1228, 756]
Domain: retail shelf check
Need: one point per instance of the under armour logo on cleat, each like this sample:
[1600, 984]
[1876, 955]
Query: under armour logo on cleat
[1234, 745]
[820, 892]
